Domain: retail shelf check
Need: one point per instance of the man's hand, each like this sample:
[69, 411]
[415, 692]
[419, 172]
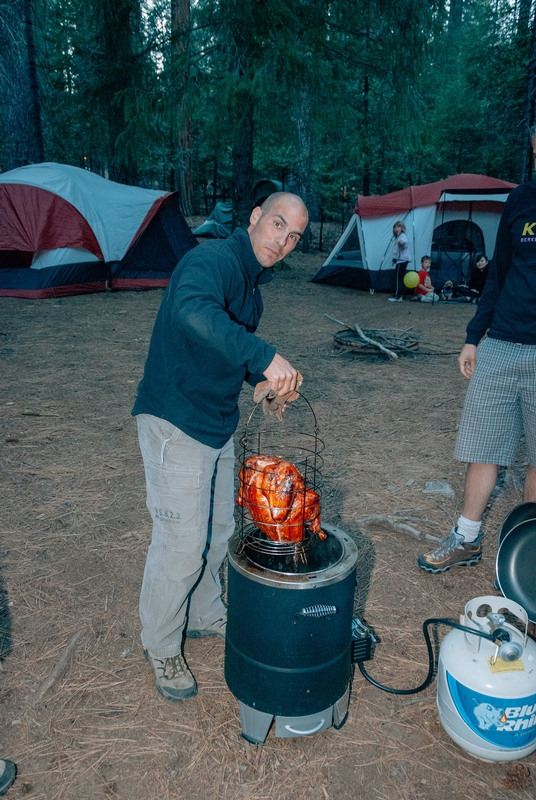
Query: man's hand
[467, 360]
[281, 375]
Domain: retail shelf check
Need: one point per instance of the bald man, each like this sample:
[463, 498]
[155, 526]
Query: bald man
[202, 349]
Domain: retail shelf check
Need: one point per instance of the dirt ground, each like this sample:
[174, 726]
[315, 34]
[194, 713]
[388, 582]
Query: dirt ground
[75, 530]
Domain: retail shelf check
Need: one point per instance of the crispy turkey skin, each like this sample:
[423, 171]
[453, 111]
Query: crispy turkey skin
[274, 492]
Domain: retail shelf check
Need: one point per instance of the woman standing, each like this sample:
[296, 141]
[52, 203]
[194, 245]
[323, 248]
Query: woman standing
[401, 257]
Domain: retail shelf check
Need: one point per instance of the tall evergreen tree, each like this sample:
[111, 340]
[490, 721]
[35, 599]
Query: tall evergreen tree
[181, 120]
[20, 108]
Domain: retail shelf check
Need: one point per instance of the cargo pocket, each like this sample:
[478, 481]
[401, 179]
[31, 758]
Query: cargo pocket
[174, 501]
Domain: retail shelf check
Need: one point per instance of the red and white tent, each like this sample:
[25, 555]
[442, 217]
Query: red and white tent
[451, 220]
[65, 230]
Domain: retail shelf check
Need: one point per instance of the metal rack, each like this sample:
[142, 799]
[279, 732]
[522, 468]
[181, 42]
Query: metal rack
[290, 441]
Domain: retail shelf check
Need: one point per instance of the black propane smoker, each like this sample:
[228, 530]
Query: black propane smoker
[291, 636]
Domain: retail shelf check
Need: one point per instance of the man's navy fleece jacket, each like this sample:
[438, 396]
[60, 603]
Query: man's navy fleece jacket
[203, 345]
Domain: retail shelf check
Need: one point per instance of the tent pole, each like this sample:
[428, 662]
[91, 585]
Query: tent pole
[442, 201]
[470, 220]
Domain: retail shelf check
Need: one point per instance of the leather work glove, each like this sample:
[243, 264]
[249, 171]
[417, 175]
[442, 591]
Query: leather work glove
[273, 403]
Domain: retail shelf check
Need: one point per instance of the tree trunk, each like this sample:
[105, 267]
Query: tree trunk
[523, 17]
[455, 18]
[117, 33]
[526, 146]
[304, 165]
[181, 124]
[242, 188]
[36, 150]
[20, 117]
[366, 130]
[242, 106]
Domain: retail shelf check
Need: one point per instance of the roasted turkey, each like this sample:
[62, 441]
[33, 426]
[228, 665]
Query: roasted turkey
[275, 494]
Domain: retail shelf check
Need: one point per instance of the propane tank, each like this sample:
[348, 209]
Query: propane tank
[486, 693]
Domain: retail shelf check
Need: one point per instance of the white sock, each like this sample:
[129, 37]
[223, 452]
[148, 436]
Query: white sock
[468, 528]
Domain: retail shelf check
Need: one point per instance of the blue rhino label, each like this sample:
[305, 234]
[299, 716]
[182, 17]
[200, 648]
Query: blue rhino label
[505, 722]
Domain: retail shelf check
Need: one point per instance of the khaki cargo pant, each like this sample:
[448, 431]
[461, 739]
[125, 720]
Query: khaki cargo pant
[190, 499]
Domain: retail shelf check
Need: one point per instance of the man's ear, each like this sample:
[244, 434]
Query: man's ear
[255, 216]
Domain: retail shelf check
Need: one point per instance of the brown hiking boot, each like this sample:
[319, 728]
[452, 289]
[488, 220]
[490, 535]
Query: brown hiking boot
[214, 629]
[452, 552]
[172, 677]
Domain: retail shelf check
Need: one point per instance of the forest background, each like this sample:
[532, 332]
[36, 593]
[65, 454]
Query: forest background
[330, 97]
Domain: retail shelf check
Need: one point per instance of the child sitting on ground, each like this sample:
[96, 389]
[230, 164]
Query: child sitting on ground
[424, 291]
[472, 291]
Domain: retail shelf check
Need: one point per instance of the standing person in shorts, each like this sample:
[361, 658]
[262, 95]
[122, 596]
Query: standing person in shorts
[500, 404]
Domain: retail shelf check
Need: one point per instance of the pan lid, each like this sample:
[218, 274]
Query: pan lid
[516, 566]
[518, 514]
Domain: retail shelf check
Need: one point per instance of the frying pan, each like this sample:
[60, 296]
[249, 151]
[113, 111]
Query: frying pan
[516, 566]
[518, 514]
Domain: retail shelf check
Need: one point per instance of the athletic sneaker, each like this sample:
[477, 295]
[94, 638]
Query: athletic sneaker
[395, 299]
[172, 677]
[214, 629]
[452, 552]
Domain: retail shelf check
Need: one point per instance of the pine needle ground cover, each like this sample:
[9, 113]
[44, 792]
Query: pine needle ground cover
[79, 711]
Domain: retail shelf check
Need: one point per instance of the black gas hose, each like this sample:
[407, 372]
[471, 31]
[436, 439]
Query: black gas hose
[431, 661]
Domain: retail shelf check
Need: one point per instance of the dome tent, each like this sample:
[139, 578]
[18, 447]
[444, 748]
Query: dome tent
[451, 220]
[65, 230]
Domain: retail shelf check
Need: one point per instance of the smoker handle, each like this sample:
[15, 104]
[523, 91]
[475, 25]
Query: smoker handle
[318, 611]
[306, 733]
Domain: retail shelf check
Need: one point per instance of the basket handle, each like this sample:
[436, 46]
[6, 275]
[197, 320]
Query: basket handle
[300, 395]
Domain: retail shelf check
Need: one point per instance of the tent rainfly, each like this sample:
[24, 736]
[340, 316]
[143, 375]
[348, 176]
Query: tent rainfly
[451, 220]
[219, 223]
[65, 230]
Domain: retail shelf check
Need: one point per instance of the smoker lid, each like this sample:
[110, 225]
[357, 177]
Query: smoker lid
[328, 561]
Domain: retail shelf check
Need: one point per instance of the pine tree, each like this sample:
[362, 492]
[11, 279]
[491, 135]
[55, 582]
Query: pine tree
[20, 110]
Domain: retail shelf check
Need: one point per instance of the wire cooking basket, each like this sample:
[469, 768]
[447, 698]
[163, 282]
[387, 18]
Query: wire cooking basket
[285, 457]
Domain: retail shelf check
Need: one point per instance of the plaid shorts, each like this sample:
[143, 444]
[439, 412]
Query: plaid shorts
[500, 405]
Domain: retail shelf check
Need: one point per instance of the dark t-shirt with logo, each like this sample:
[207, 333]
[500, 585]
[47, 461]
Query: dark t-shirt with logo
[507, 308]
